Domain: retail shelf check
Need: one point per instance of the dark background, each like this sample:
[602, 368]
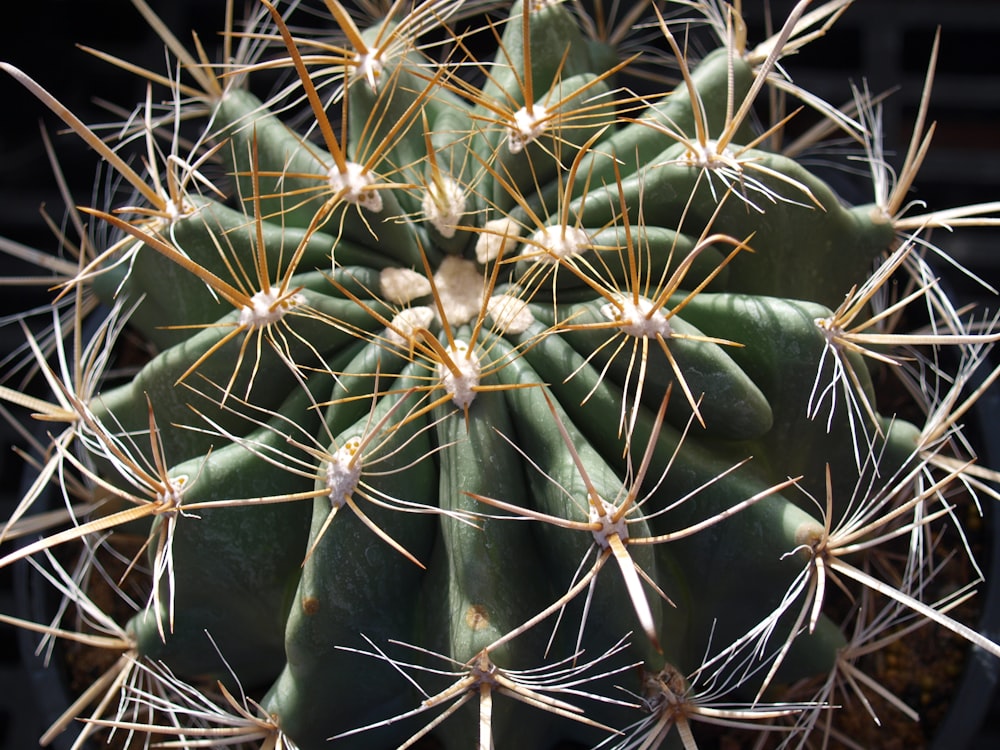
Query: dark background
[888, 41]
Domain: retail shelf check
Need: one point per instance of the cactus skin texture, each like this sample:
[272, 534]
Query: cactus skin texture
[494, 391]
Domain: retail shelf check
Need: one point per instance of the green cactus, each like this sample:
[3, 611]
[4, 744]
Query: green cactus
[496, 401]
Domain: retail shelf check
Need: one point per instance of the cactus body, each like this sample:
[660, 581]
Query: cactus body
[477, 438]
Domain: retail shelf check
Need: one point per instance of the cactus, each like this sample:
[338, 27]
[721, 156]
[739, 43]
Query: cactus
[494, 399]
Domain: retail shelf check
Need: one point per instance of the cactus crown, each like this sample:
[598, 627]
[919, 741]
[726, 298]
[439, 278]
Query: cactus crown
[493, 398]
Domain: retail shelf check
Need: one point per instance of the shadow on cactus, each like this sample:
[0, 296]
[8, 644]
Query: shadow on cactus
[434, 335]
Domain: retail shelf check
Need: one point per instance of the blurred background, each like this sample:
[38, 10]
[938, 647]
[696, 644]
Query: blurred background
[886, 41]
